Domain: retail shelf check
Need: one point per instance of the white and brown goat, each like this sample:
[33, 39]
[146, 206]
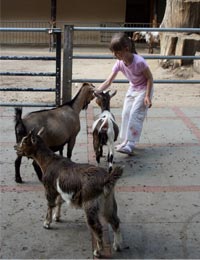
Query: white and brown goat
[152, 39]
[105, 129]
[62, 125]
[80, 185]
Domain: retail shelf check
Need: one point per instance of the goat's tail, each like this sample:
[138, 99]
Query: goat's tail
[20, 129]
[18, 114]
[112, 178]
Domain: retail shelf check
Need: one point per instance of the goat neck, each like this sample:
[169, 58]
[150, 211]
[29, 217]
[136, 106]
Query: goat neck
[83, 98]
[43, 157]
[105, 107]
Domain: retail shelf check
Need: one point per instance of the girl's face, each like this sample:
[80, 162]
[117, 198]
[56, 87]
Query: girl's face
[121, 55]
[118, 54]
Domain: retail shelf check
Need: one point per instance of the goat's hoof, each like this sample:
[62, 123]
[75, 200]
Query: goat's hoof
[56, 218]
[18, 179]
[96, 253]
[117, 247]
[46, 225]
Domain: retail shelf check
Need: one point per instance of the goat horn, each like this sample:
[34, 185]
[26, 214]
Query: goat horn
[31, 131]
[113, 93]
[40, 131]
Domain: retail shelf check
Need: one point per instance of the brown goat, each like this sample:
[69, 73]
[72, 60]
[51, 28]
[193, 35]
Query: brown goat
[80, 185]
[62, 125]
[105, 129]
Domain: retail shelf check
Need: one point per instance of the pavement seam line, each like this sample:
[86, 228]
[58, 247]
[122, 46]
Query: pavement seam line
[187, 121]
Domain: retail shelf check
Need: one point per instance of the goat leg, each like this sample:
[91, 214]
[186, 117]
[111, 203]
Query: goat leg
[99, 248]
[51, 204]
[97, 147]
[18, 178]
[48, 219]
[110, 215]
[117, 244]
[101, 150]
[70, 147]
[57, 212]
[96, 227]
[110, 155]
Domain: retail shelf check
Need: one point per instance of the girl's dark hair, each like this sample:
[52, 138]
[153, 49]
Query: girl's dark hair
[120, 41]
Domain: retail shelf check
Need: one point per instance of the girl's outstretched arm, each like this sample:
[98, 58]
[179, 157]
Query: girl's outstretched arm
[107, 82]
[147, 100]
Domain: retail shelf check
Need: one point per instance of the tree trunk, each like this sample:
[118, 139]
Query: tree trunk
[180, 14]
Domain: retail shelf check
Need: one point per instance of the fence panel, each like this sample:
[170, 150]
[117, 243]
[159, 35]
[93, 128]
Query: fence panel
[68, 58]
[56, 74]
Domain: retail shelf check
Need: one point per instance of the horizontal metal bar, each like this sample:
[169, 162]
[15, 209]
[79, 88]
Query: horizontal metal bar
[27, 105]
[93, 56]
[12, 29]
[177, 81]
[27, 58]
[148, 57]
[29, 89]
[164, 81]
[47, 74]
[126, 29]
[161, 57]
[131, 29]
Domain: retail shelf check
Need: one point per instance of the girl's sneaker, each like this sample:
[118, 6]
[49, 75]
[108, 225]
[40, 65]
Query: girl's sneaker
[119, 146]
[126, 149]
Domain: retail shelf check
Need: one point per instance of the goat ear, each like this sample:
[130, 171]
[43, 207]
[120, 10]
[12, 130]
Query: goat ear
[33, 141]
[40, 131]
[85, 84]
[30, 132]
[113, 93]
[97, 94]
[106, 91]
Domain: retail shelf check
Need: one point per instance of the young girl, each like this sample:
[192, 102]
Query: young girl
[138, 96]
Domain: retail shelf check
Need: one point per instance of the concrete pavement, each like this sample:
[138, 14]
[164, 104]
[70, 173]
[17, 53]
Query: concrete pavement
[158, 196]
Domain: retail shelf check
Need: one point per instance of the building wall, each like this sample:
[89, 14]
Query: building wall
[88, 11]
[25, 10]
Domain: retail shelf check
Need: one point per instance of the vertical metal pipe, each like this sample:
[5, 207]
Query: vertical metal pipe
[67, 63]
[58, 68]
[53, 23]
[53, 10]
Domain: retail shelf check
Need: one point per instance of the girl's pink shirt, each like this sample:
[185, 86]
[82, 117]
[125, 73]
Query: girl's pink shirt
[133, 72]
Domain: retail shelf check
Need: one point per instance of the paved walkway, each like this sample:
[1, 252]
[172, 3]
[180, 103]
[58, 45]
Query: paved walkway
[158, 196]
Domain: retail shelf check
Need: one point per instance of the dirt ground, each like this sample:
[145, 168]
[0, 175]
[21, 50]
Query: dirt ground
[164, 94]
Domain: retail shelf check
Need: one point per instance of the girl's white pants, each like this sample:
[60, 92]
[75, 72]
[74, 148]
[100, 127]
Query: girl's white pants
[133, 115]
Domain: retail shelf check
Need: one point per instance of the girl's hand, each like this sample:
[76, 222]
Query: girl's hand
[147, 101]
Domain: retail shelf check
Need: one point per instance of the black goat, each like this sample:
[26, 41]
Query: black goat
[62, 125]
[80, 185]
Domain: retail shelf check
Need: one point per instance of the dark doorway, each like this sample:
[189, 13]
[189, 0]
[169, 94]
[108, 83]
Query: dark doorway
[138, 11]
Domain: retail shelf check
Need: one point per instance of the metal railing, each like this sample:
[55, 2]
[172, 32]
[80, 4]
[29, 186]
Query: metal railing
[56, 74]
[68, 55]
[68, 44]
[92, 38]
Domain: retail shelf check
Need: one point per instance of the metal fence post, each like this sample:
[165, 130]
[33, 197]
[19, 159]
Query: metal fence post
[67, 63]
[58, 68]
